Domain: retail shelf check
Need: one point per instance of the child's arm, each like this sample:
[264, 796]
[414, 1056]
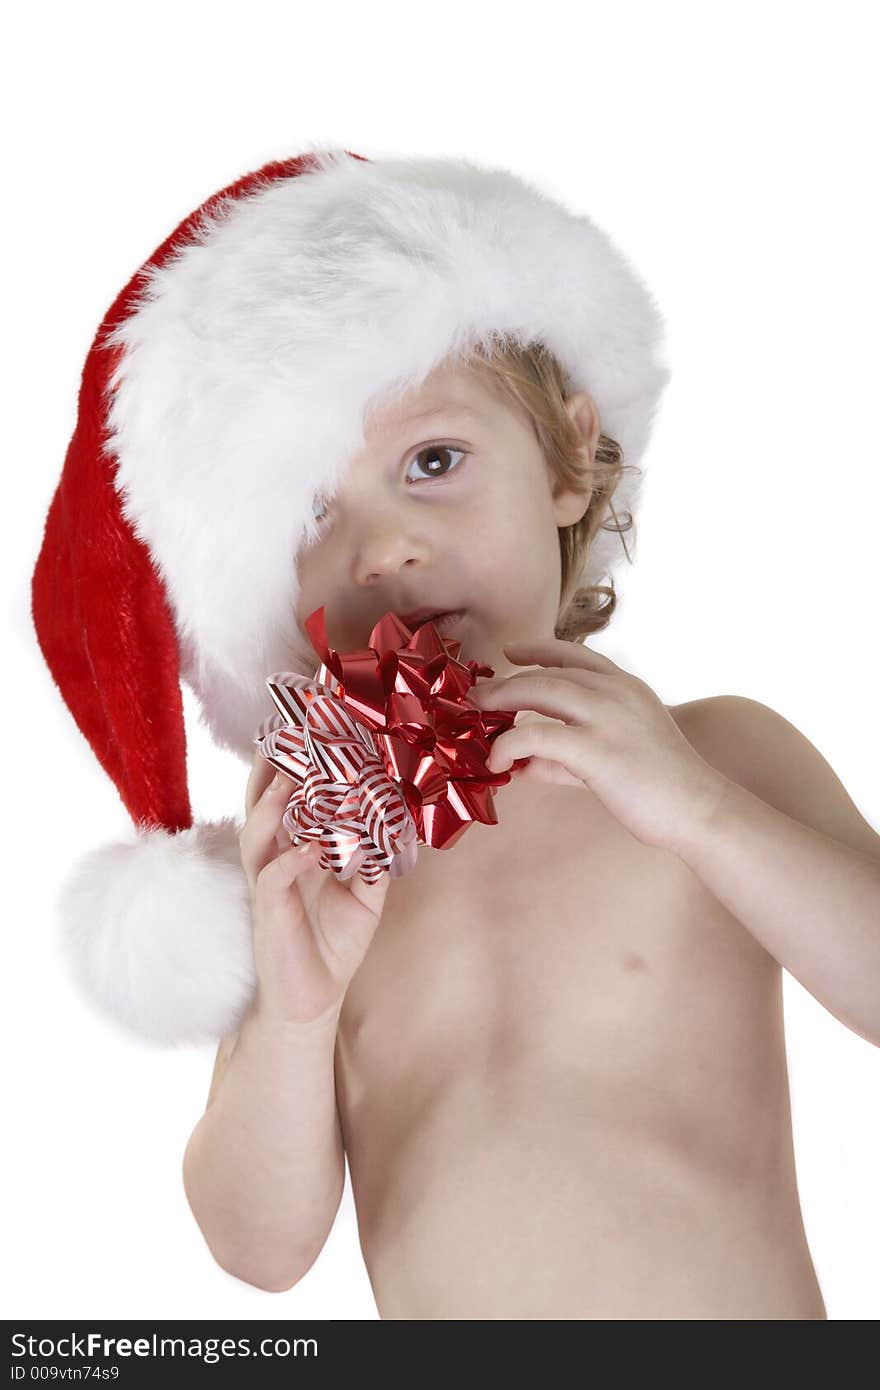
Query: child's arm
[788, 853]
[264, 1168]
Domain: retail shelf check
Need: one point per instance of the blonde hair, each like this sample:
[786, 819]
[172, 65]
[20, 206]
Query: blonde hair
[534, 379]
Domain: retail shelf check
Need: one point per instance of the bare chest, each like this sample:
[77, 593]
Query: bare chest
[557, 1027]
[553, 939]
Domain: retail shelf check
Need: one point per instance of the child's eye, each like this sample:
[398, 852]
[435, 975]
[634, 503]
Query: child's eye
[322, 518]
[437, 467]
[436, 455]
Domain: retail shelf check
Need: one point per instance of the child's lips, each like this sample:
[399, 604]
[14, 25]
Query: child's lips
[444, 622]
[448, 621]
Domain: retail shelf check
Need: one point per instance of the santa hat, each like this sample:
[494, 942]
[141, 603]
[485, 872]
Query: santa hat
[225, 389]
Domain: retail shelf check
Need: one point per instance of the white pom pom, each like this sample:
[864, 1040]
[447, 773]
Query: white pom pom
[156, 934]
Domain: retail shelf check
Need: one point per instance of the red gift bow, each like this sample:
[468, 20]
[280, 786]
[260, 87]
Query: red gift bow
[385, 748]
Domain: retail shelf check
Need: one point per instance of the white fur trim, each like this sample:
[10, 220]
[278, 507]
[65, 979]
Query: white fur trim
[252, 356]
[156, 934]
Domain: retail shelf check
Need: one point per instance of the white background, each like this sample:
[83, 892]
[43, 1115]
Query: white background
[731, 152]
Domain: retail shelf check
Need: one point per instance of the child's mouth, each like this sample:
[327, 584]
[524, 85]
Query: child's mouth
[447, 621]
[444, 622]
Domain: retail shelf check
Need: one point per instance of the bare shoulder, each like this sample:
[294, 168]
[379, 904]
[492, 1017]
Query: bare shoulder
[758, 748]
[712, 726]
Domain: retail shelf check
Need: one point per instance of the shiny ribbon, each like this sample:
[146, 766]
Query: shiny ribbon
[384, 748]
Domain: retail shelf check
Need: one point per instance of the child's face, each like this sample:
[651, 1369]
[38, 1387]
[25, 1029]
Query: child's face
[455, 511]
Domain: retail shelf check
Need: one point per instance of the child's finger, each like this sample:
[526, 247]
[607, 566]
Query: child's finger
[370, 895]
[284, 869]
[261, 775]
[259, 838]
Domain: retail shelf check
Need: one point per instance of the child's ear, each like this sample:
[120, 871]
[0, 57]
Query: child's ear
[583, 411]
[570, 506]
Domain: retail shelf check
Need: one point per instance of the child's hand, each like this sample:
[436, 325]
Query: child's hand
[311, 932]
[617, 738]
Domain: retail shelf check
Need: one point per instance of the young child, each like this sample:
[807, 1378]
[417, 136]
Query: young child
[553, 1053]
